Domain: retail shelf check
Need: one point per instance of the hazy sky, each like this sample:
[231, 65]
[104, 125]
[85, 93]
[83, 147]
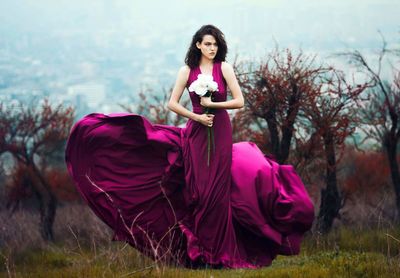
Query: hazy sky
[247, 24]
[49, 44]
[252, 27]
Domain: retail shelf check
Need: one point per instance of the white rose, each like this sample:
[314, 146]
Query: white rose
[192, 86]
[202, 84]
[205, 78]
[213, 86]
[201, 90]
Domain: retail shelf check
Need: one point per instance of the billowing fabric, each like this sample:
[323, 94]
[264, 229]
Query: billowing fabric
[151, 184]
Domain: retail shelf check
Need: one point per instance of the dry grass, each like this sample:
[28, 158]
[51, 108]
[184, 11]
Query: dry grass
[83, 249]
[20, 230]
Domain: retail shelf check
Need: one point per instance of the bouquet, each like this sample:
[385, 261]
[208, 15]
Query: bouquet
[204, 86]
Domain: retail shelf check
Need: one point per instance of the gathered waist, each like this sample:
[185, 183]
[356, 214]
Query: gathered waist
[200, 110]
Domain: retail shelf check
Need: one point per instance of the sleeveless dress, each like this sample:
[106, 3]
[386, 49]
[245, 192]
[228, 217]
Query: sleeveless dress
[152, 186]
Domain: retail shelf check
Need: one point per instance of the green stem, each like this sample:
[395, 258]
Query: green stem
[208, 145]
[210, 136]
[212, 139]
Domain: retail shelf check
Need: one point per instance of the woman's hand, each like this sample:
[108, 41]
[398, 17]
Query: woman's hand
[206, 119]
[206, 101]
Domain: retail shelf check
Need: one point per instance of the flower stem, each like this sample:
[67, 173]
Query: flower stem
[208, 145]
[212, 139]
[210, 134]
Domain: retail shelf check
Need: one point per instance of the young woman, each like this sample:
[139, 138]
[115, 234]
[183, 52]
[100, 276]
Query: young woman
[175, 196]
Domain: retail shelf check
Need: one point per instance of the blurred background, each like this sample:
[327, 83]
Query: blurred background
[96, 54]
[328, 69]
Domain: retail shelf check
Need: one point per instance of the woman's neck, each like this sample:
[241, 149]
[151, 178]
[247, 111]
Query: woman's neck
[205, 62]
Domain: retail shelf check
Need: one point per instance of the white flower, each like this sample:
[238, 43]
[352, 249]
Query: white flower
[213, 86]
[202, 84]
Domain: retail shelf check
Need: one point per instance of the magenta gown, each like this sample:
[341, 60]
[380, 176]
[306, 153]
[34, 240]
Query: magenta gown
[152, 186]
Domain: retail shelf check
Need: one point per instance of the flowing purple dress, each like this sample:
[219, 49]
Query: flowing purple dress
[151, 184]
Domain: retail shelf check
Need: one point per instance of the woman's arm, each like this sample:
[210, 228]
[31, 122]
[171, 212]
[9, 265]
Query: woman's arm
[237, 100]
[180, 84]
[176, 94]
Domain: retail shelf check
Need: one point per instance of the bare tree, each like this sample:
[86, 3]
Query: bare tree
[307, 110]
[275, 92]
[154, 107]
[30, 134]
[381, 113]
[333, 116]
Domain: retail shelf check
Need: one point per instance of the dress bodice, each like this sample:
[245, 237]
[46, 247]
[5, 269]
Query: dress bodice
[218, 96]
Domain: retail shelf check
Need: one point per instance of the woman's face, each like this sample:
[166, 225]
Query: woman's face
[208, 46]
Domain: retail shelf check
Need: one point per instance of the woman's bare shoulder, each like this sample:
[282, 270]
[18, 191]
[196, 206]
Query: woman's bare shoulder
[226, 68]
[183, 74]
[185, 69]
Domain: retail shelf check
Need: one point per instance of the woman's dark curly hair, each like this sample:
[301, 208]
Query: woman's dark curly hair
[193, 54]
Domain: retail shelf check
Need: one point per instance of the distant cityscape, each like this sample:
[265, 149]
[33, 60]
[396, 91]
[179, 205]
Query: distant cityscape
[104, 58]
[80, 72]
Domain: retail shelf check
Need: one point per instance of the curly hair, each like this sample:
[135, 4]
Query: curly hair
[193, 54]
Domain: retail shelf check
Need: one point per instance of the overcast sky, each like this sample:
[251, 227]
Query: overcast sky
[46, 45]
[251, 27]
[315, 24]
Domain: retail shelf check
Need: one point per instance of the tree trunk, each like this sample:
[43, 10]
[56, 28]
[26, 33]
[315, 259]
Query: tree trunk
[288, 125]
[391, 150]
[47, 203]
[47, 215]
[280, 147]
[330, 198]
[287, 135]
[273, 133]
[285, 145]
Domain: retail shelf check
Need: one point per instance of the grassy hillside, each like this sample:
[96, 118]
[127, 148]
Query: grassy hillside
[83, 249]
[344, 254]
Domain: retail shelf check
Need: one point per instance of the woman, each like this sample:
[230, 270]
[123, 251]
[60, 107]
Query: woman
[161, 189]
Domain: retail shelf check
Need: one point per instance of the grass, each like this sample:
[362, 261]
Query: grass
[342, 253]
[321, 264]
[83, 249]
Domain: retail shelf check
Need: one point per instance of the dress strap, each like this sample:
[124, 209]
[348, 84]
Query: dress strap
[219, 77]
[192, 76]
